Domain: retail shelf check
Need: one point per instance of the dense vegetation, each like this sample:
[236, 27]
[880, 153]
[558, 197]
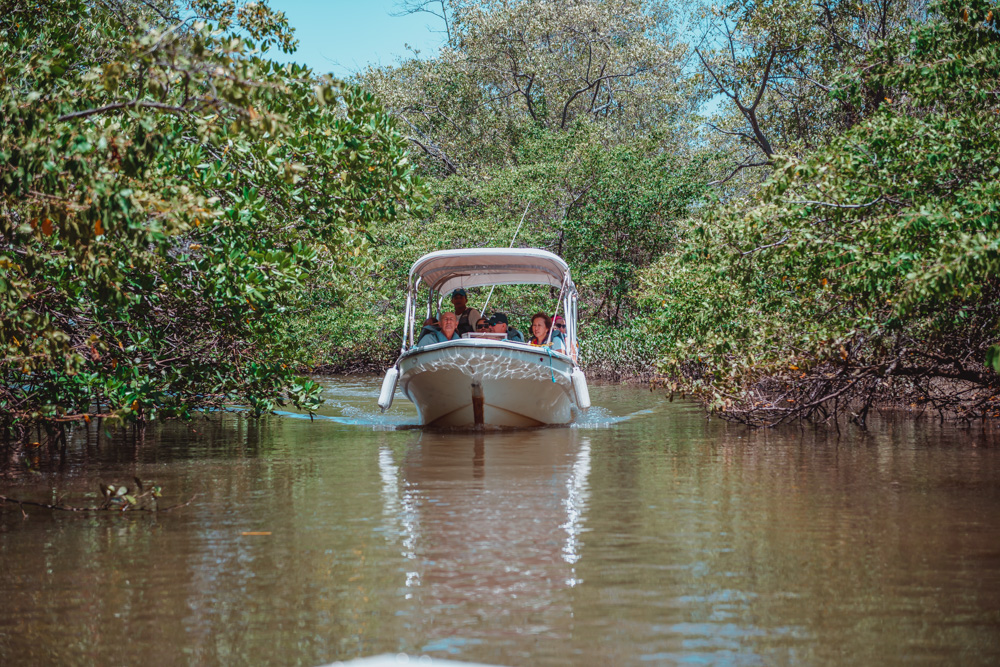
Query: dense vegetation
[576, 116]
[186, 223]
[865, 269]
[169, 195]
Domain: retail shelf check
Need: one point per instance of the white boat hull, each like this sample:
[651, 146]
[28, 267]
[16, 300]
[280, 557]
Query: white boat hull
[470, 383]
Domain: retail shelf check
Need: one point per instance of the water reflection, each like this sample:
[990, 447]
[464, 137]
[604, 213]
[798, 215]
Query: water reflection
[575, 504]
[492, 529]
[644, 534]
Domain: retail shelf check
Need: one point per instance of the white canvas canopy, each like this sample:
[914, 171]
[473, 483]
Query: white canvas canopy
[447, 270]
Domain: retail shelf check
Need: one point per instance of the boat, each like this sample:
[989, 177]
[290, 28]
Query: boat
[481, 381]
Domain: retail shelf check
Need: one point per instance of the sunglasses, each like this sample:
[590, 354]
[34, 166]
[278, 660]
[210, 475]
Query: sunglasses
[560, 326]
[482, 326]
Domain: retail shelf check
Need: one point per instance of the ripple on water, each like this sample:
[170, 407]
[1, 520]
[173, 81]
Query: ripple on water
[352, 402]
[643, 534]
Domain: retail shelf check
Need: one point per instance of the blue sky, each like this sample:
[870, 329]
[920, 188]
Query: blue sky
[344, 36]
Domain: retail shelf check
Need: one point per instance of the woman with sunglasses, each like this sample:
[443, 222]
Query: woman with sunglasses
[560, 324]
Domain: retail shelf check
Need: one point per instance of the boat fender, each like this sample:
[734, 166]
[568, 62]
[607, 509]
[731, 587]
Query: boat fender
[580, 387]
[388, 388]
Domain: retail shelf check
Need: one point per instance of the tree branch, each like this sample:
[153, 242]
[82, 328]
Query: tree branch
[740, 167]
[823, 203]
[118, 510]
[123, 105]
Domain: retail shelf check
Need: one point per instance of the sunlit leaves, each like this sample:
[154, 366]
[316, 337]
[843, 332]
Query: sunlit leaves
[168, 195]
[511, 68]
[878, 251]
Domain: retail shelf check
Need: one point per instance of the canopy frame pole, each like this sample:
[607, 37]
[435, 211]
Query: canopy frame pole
[407, 333]
[574, 301]
[411, 310]
[562, 290]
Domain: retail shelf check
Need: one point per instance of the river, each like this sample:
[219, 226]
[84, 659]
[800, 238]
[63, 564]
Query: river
[647, 534]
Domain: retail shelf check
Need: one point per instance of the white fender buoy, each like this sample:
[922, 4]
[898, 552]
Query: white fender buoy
[580, 387]
[388, 388]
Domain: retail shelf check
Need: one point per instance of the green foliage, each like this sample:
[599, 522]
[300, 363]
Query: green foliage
[772, 66]
[873, 257]
[627, 218]
[607, 209]
[510, 68]
[168, 196]
[123, 499]
[359, 333]
[993, 358]
[618, 353]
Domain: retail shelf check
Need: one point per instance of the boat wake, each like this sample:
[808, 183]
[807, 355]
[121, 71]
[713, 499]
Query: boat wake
[349, 401]
[352, 415]
[598, 417]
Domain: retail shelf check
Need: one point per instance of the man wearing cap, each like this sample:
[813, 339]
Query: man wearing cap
[499, 322]
[467, 317]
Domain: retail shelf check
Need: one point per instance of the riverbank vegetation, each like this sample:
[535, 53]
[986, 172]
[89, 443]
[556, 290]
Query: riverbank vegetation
[169, 195]
[864, 270]
[787, 209]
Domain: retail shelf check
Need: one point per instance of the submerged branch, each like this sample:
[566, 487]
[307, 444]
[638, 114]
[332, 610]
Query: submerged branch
[118, 510]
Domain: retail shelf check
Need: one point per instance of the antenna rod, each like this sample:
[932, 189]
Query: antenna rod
[516, 232]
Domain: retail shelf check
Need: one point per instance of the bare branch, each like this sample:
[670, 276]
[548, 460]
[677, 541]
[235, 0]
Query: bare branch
[117, 510]
[734, 133]
[740, 167]
[407, 7]
[823, 203]
[770, 245]
[580, 92]
[438, 154]
[170, 108]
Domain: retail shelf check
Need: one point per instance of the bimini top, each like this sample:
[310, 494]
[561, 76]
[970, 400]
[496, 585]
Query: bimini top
[447, 270]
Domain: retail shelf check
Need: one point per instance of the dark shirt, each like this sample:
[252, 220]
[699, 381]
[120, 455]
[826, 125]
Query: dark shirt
[515, 335]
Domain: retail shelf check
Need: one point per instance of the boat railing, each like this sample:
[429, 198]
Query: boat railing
[488, 336]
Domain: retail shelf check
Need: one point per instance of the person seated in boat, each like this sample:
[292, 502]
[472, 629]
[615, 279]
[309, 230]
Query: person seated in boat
[559, 323]
[483, 326]
[448, 331]
[499, 322]
[432, 322]
[467, 317]
[540, 326]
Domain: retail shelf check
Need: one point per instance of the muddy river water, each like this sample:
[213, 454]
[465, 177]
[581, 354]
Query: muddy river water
[646, 534]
